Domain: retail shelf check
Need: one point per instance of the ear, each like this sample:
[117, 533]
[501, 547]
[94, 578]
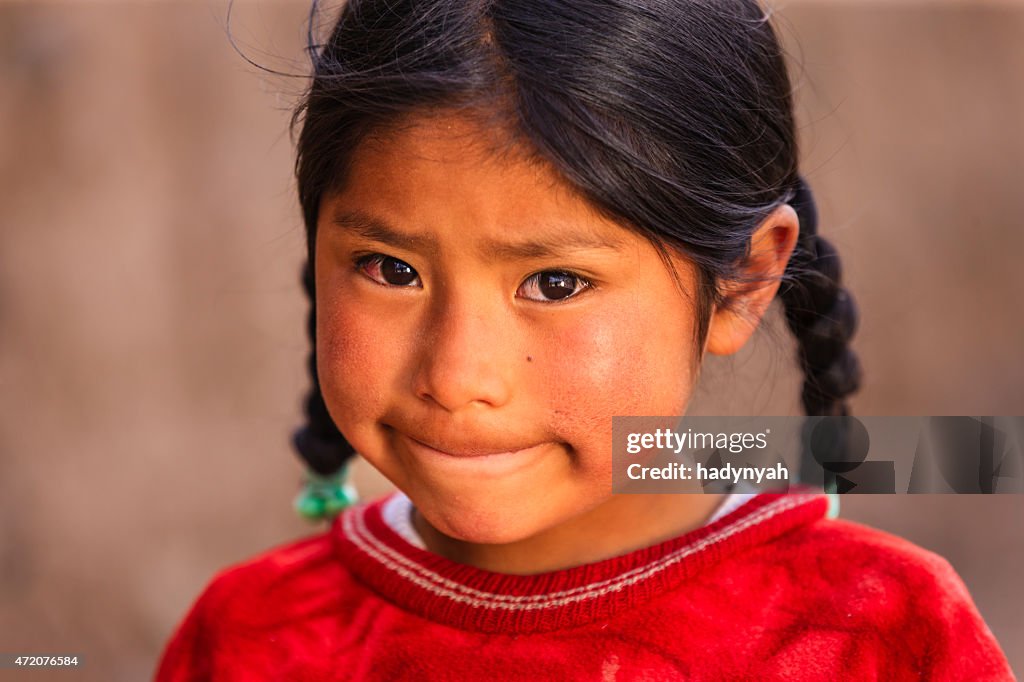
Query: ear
[747, 298]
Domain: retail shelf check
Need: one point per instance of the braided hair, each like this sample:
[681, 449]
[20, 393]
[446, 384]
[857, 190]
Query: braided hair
[822, 315]
[318, 442]
[673, 117]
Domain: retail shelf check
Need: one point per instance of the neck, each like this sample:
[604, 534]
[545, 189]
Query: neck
[622, 524]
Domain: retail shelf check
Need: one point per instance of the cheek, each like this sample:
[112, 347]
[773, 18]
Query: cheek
[615, 365]
[354, 372]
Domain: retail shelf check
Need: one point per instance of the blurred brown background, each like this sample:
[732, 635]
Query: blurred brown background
[151, 325]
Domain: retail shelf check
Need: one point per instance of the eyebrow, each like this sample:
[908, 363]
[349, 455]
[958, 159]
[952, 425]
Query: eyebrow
[378, 230]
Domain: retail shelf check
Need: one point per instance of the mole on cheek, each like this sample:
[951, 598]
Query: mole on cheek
[529, 358]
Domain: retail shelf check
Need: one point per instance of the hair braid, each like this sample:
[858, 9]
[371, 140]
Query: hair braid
[822, 315]
[318, 442]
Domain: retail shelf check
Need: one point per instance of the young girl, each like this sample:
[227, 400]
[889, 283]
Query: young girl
[524, 218]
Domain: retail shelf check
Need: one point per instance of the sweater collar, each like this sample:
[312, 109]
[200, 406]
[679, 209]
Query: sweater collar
[469, 598]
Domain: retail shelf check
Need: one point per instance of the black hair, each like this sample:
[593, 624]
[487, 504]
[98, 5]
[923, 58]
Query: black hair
[673, 117]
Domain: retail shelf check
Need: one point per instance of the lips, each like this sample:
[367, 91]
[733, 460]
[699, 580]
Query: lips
[477, 461]
[472, 451]
[460, 444]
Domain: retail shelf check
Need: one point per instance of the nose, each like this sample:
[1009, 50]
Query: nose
[465, 357]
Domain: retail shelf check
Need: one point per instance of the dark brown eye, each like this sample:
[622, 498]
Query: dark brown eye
[552, 285]
[388, 271]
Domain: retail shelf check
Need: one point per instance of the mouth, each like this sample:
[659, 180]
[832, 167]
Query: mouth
[467, 451]
[473, 460]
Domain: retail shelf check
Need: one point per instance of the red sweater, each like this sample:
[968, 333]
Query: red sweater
[772, 591]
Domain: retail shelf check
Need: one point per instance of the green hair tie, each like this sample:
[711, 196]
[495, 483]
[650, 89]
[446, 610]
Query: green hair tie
[833, 505]
[324, 497]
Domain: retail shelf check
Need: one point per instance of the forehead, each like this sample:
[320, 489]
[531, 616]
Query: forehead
[476, 134]
[462, 143]
[456, 169]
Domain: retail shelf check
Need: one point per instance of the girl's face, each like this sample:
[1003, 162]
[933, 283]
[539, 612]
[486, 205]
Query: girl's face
[479, 325]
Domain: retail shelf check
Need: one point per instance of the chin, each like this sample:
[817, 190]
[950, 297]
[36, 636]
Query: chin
[482, 526]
